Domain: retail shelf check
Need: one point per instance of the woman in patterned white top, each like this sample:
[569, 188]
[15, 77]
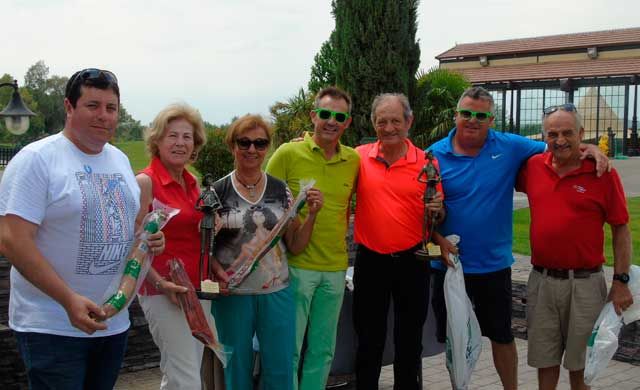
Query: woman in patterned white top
[262, 304]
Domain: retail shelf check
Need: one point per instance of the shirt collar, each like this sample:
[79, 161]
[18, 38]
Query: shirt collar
[410, 157]
[166, 179]
[586, 166]
[313, 146]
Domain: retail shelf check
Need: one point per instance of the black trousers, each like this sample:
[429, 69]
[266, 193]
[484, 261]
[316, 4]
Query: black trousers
[377, 279]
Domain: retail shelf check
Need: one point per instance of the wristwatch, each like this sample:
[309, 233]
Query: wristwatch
[622, 278]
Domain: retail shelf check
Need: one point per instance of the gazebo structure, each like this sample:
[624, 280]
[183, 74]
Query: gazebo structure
[598, 71]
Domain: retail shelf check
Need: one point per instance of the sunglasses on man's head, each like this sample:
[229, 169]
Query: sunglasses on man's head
[568, 107]
[480, 116]
[91, 74]
[325, 114]
[245, 143]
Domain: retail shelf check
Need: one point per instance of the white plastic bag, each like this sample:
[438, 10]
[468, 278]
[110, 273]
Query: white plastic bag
[603, 343]
[464, 338]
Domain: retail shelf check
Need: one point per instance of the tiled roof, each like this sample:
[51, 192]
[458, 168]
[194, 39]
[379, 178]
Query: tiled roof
[578, 69]
[544, 44]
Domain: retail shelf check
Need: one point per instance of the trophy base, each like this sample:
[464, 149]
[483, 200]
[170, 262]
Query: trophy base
[208, 290]
[207, 296]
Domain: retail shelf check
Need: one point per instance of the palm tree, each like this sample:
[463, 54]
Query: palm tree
[437, 95]
[291, 118]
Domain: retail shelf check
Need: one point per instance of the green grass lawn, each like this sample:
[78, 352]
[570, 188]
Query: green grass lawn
[521, 221]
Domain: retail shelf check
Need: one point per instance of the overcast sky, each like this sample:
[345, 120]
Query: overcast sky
[231, 57]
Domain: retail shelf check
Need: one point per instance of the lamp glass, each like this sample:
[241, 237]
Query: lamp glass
[17, 125]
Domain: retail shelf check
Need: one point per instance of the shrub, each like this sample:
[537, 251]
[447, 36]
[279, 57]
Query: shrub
[214, 157]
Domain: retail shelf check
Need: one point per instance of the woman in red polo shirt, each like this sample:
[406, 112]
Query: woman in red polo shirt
[173, 140]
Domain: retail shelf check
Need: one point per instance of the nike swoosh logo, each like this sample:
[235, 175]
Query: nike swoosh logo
[495, 156]
[97, 270]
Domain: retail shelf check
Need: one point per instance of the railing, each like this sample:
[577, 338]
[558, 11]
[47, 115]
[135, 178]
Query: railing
[7, 153]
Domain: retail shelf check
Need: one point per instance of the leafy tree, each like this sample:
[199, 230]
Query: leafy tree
[323, 71]
[291, 118]
[437, 94]
[214, 157]
[48, 92]
[376, 51]
[128, 129]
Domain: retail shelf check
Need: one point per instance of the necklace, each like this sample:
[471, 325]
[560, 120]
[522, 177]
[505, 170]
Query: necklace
[250, 187]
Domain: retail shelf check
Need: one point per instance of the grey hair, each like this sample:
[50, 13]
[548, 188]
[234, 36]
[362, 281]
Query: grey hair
[406, 107]
[478, 93]
[576, 116]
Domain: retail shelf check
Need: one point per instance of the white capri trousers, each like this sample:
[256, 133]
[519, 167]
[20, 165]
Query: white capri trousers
[180, 352]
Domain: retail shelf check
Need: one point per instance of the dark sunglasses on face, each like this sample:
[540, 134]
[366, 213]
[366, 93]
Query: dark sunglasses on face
[325, 114]
[480, 116]
[568, 107]
[245, 143]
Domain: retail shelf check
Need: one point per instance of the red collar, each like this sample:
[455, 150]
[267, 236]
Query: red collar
[166, 179]
[586, 166]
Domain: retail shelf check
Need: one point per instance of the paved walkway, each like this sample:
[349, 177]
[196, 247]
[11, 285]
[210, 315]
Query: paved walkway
[619, 376]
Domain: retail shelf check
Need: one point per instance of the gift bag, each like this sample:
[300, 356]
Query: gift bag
[464, 338]
[603, 343]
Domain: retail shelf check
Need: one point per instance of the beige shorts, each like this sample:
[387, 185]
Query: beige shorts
[560, 317]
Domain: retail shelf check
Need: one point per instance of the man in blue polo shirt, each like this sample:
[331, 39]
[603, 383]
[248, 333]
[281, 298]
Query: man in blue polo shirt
[479, 168]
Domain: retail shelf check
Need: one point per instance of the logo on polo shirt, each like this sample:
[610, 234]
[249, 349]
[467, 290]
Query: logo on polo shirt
[496, 156]
[579, 189]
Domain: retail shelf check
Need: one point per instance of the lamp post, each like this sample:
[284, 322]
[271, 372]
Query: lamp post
[16, 114]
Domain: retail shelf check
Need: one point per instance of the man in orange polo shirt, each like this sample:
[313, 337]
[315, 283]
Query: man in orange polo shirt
[388, 229]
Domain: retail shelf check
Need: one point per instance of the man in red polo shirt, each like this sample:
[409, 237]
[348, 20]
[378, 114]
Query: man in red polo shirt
[388, 229]
[566, 289]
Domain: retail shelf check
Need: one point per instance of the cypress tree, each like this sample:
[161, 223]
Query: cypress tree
[376, 51]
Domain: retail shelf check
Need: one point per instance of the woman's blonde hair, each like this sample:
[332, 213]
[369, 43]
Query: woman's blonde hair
[158, 128]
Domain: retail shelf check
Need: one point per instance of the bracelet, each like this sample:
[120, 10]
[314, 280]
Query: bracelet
[157, 283]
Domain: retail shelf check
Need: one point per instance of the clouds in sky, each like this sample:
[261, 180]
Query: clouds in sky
[228, 57]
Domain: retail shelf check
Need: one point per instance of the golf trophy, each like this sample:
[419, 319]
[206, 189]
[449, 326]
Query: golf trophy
[208, 203]
[430, 176]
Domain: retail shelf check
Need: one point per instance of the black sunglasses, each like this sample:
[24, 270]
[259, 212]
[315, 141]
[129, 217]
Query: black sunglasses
[90, 74]
[568, 107]
[325, 114]
[245, 143]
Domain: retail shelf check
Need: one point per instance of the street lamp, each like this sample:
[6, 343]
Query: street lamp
[16, 114]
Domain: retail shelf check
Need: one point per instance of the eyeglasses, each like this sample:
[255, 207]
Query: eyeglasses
[325, 114]
[568, 107]
[91, 74]
[258, 143]
[480, 116]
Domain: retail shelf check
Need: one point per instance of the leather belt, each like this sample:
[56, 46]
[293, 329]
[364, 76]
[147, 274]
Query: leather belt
[580, 273]
[406, 252]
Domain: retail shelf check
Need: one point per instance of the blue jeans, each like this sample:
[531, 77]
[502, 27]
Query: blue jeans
[62, 362]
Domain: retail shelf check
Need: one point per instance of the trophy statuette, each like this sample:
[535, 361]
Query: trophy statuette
[208, 203]
[430, 176]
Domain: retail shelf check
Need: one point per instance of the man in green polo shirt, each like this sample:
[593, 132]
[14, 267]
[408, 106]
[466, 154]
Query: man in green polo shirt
[317, 274]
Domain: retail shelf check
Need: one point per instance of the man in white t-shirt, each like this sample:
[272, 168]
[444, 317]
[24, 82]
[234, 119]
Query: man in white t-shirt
[68, 205]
